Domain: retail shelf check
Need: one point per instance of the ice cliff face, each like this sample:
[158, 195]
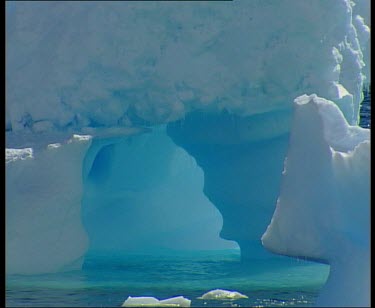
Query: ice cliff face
[222, 76]
[43, 207]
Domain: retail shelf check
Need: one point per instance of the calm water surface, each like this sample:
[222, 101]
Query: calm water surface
[108, 281]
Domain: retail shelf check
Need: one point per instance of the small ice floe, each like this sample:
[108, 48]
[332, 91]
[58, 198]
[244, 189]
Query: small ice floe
[178, 301]
[219, 294]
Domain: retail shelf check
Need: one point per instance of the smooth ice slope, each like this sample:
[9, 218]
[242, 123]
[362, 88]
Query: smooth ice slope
[323, 211]
[44, 232]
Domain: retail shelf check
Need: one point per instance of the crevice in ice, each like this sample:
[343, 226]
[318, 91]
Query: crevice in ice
[100, 170]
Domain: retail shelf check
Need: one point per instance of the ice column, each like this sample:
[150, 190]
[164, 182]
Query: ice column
[323, 211]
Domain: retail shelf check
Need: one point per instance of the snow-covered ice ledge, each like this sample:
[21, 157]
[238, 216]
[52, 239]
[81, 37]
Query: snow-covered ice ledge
[323, 210]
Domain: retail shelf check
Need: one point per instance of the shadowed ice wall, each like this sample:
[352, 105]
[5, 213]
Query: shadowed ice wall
[241, 173]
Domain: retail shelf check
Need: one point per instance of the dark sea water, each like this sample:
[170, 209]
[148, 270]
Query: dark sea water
[106, 281]
[365, 111]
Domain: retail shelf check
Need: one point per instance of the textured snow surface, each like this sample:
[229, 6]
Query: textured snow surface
[71, 65]
[361, 21]
[323, 210]
[178, 301]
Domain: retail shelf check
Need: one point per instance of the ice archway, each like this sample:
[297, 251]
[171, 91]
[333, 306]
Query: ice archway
[144, 194]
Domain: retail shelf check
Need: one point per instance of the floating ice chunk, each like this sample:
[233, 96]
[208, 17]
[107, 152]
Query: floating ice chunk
[12, 155]
[140, 302]
[178, 301]
[220, 294]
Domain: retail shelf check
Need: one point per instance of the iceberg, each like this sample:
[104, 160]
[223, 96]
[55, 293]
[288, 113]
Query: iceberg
[178, 301]
[323, 210]
[220, 294]
[221, 79]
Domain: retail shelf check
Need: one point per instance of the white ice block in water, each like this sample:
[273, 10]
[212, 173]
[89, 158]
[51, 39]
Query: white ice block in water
[178, 301]
[220, 294]
[140, 301]
[323, 210]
